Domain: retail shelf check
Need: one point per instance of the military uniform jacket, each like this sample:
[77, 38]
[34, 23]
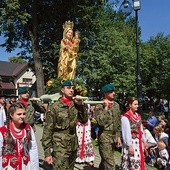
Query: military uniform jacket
[30, 111]
[60, 127]
[109, 122]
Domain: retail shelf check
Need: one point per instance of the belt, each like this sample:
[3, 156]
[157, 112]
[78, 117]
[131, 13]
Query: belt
[70, 131]
[109, 132]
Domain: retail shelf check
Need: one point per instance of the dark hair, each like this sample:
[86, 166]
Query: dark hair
[131, 100]
[145, 123]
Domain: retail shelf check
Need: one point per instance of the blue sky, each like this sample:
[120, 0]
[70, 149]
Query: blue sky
[154, 17]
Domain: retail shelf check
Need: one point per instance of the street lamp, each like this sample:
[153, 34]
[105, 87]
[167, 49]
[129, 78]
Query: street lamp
[127, 8]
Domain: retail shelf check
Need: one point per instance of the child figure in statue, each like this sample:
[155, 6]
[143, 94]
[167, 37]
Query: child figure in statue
[68, 52]
[76, 42]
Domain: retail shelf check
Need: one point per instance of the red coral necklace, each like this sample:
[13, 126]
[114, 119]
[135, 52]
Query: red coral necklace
[18, 134]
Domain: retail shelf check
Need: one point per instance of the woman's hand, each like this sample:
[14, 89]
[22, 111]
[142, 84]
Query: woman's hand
[119, 142]
[49, 159]
[131, 150]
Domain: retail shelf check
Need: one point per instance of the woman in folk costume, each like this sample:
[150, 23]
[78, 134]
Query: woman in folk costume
[85, 151]
[68, 52]
[133, 138]
[18, 147]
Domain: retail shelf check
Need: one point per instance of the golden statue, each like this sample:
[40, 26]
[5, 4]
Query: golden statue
[68, 52]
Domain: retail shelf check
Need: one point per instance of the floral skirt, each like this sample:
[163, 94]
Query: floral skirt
[131, 162]
[88, 153]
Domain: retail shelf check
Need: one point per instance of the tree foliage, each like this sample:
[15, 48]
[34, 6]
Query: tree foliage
[17, 60]
[156, 70]
[110, 53]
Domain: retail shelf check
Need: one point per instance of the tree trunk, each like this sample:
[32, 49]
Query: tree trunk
[36, 52]
[38, 70]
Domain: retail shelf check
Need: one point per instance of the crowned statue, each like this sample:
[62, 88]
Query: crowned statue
[68, 52]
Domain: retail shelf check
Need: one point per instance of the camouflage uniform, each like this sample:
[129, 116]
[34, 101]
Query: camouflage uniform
[30, 111]
[109, 131]
[59, 134]
[31, 106]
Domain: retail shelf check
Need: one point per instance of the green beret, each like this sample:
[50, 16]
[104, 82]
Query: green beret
[108, 88]
[67, 83]
[23, 90]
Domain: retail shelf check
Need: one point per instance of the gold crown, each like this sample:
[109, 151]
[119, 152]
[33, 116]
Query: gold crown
[68, 25]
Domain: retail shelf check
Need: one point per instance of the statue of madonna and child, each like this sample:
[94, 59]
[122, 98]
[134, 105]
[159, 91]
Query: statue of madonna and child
[68, 52]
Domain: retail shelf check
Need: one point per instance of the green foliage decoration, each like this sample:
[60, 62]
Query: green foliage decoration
[54, 86]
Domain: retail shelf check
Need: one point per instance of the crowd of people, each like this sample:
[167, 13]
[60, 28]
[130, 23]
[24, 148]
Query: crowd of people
[70, 126]
[156, 131]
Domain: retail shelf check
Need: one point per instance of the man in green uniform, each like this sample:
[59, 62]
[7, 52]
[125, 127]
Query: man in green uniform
[59, 139]
[31, 106]
[108, 119]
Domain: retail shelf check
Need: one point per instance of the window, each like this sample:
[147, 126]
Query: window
[27, 80]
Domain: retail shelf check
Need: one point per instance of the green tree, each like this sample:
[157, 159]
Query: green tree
[109, 55]
[155, 69]
[17, 60]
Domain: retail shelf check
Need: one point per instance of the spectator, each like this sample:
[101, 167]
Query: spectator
[3, 110]
[148, 136]
[151, 120]
[165, 108]
[163, 155]
[160, 134]
[150, 156]
[13, 99]
[94, 125]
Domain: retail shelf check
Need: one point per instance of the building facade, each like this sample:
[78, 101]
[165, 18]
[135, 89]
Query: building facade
[15, 75]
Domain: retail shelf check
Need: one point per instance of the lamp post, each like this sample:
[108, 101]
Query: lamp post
[127, 8]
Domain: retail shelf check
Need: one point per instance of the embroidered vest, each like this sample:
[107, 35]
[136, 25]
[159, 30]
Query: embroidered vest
[12, 153]
[135, 126]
